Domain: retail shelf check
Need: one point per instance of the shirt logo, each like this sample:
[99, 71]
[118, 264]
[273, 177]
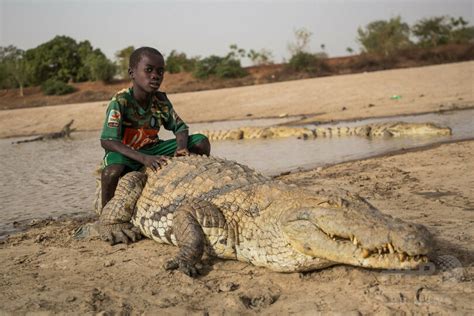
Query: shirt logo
[114, 118]
[153, 122]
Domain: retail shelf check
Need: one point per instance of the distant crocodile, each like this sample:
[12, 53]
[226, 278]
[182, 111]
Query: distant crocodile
[390, 129]
[212, 205]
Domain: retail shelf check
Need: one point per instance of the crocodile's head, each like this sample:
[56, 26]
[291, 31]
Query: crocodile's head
[354, 232]
[428, 129]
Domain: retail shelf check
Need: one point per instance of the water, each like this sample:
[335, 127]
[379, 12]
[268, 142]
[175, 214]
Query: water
[54, 178]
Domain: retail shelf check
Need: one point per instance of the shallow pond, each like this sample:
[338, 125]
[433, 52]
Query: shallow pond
[55, 178]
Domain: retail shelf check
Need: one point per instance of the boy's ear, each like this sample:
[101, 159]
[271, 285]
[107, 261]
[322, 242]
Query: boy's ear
[130, 73]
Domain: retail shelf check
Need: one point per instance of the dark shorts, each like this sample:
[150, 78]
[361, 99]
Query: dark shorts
[162, 148]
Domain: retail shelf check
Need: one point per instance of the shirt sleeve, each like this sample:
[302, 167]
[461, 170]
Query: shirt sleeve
[112, 129]
[174, 123]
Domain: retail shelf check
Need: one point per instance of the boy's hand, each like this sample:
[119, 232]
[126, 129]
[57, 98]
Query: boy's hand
[155, 162]
[181, 152]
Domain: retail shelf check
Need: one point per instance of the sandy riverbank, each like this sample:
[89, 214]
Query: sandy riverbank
[44, 270]
[424, 89]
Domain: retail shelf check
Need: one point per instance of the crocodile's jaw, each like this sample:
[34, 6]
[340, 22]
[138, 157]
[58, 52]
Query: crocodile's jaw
[383, 243]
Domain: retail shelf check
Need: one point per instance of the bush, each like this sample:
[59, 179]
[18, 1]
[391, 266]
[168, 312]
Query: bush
[56, 87]
[221, 67]
[307, 62]
[230, 68]
[207, 67]
[178, 62]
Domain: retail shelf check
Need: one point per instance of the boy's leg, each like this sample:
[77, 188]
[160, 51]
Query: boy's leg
[197, 143]
[203, 147]
[109, 180]
[115, 165]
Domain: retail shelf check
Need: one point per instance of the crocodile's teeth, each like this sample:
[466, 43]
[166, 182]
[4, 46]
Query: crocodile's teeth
[355, 241]
[402, 256]
[365, 253]
[390, 248]
[379, 250]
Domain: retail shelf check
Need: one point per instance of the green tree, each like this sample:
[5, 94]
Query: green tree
[261, 57]
[207, 66]
[461, 33]
[236, 52]
[99, 67]
[349, 50]
[123, 57]
[441, 30]
[178, 62]
[384, 37]
[13, 68]
[301, 60]
[84, 50]
[432, 32]
[57, 59]
[302, 38]
[221, 67]
[94, 64]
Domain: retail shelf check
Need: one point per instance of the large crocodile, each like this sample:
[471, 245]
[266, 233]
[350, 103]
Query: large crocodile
[212, 205]
[390, 129]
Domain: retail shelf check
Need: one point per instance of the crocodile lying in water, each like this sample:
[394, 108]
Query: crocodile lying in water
[388, 129]
[227, 210]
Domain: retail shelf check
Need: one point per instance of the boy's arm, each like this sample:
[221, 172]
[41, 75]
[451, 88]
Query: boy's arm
[182, 143]
[153, 162]
[180, 129]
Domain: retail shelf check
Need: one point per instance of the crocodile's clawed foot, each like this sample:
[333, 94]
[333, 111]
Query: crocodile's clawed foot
[191, 269]
[119, 233]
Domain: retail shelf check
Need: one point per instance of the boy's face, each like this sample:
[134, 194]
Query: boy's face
[148, 74]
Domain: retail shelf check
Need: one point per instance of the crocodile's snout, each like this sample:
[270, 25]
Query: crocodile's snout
[347, 235]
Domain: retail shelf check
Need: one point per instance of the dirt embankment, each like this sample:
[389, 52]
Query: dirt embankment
[185, 82]
[45, 270]
[345, 97]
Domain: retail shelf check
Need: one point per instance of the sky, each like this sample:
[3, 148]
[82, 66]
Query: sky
[203, 28]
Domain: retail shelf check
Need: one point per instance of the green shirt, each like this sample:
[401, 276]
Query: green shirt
[126, 121]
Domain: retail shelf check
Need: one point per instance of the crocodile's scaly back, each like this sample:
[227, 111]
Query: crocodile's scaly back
[389, 129]
[207, 204]
[233, 209]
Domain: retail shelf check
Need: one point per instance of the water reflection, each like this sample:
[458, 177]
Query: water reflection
[52, 178]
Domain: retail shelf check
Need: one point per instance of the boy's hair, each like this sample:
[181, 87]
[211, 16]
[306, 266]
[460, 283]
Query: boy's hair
[137, 54]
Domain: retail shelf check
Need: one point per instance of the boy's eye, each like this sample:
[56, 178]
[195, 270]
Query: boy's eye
[148, 69]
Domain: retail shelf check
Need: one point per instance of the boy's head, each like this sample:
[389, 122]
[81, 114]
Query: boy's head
[146, 68]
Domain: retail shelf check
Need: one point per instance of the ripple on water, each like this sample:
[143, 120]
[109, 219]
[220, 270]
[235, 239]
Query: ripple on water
[52, 178]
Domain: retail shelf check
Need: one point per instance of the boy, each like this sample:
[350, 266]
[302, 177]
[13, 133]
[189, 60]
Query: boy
[134, 117]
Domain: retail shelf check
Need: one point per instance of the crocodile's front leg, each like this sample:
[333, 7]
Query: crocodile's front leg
[188, 224]
[114, 222]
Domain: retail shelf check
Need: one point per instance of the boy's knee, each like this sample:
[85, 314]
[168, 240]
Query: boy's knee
[112, 173]
[203, 147]
[109, 179]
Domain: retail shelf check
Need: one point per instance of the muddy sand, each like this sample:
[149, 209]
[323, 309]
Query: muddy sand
[43, 270]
